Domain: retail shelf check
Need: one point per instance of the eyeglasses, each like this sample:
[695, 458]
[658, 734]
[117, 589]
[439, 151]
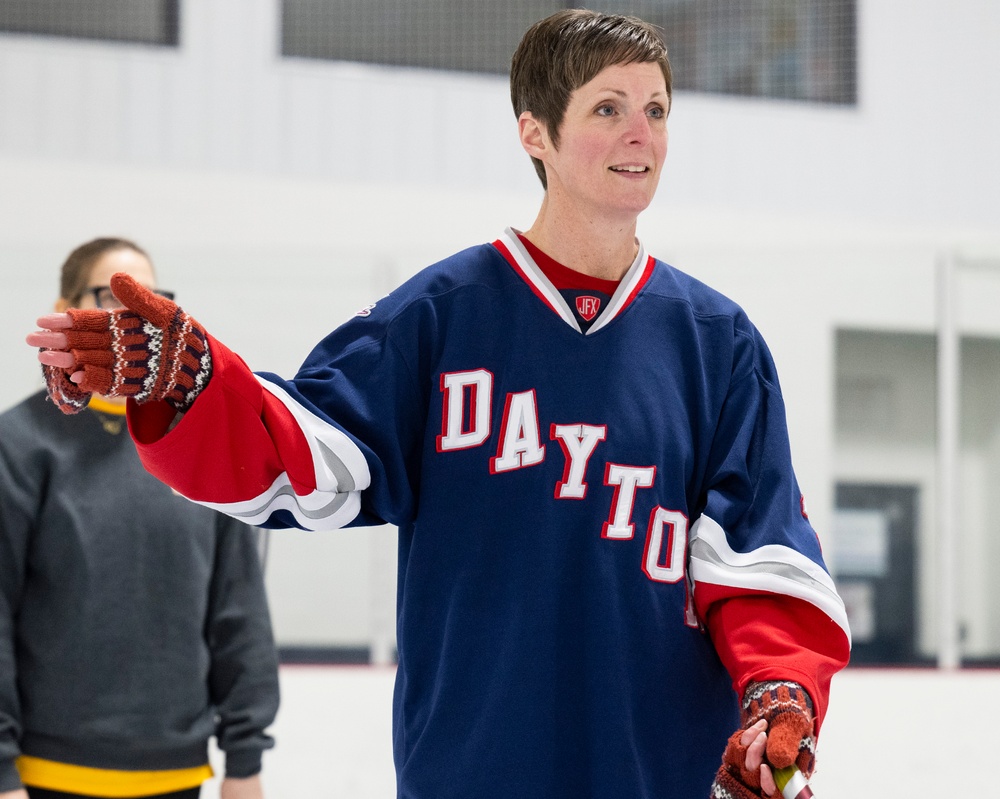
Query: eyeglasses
[105, 298]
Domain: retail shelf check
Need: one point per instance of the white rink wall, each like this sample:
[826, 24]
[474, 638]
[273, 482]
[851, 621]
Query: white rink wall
[278, 196]
[889, 733]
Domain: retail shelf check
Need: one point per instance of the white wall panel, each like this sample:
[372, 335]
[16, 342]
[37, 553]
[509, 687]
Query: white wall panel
[95, 107]
[914, 148]
[305, 121]
[300, 190]
[21, 86]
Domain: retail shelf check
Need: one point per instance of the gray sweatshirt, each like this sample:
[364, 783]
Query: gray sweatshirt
[133, 623]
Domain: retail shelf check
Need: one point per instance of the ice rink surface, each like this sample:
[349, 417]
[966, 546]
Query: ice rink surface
[889, 733]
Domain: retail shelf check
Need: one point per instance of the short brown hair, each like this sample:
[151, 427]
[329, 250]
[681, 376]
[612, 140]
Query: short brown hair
[76, 268]
[562, 52]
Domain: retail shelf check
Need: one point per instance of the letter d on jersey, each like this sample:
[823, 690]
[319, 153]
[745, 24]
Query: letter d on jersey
[468, 403]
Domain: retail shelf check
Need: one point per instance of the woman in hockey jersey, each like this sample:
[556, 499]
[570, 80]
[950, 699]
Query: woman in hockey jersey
[133, 624]
[607, 580]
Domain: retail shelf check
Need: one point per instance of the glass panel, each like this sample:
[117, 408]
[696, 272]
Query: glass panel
[785, 49]
[138, 21]
[439, 34]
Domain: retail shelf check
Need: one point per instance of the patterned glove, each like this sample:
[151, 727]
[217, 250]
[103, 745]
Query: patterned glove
[67, 395]
[148, 350]
[789, 713]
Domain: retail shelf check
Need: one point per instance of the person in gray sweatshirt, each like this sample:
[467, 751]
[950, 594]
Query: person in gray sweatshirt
[134, 624]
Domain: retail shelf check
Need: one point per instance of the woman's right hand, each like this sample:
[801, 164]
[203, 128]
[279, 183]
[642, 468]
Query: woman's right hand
[53, 339]
[62, 377]
[149, 350]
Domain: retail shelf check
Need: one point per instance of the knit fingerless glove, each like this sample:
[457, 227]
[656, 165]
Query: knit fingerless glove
[148, 350]
[789, 713]
[67, 395]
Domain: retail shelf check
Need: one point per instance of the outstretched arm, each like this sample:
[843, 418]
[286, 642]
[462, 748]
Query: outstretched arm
[275, 462]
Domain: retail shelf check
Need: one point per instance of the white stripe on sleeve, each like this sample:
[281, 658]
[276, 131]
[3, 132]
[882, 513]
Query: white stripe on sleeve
[773, 568]
[340, 469]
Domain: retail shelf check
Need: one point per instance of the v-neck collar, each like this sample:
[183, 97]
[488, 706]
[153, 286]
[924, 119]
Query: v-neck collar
[515, 253]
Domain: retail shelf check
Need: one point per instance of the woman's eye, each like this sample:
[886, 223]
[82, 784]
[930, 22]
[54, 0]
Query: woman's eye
[656, 112]
[605, 110]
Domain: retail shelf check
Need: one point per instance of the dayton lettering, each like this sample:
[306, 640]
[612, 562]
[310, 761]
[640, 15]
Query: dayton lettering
[467, 418]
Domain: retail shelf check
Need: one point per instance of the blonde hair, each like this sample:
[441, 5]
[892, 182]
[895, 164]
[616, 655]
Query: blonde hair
[78, 265]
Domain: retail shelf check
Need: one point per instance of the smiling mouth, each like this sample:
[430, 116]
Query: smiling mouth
[630, 169]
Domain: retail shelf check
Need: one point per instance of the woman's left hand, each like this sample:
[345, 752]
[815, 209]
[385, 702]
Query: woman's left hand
[241, 788]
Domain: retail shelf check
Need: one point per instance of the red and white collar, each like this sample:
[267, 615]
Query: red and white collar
[511, 248]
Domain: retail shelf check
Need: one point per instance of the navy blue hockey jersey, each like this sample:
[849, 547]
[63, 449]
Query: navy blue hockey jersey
[595, 525]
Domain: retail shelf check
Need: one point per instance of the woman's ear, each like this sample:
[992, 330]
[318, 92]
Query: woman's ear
[62, 304]
[534, 137]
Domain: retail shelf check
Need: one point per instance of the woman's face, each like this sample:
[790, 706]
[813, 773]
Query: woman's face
[119, 260]
[612, 142]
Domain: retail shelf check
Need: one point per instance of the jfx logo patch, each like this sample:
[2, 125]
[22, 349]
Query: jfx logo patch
[588, 307]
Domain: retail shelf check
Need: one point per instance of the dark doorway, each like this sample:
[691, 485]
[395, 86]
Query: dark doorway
[874, 569]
